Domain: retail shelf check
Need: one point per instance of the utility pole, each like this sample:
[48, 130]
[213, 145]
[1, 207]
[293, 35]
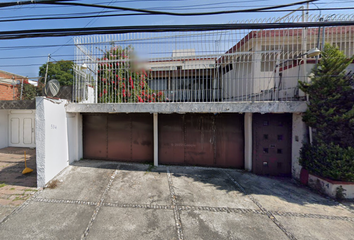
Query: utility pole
[46, 71]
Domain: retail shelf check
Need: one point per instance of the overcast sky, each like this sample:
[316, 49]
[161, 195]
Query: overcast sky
[26, 60]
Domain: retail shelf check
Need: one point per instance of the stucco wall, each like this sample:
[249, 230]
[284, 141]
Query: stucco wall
[52, 139]
[4, 142]
[74, 123]
[299, 136]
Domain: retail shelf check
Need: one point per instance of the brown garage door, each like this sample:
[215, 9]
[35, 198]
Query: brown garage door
[119, 137]
[201, 139]
[272, 144]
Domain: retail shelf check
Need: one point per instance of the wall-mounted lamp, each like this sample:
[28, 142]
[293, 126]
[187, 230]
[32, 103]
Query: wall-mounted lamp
[313, 52]
[84, 66]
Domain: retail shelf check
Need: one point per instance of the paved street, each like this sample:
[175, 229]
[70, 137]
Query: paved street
[108, 200]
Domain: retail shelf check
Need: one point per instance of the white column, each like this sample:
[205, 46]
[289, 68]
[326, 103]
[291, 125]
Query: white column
[156, 141]
[299, 136]
[248, 141]
[80, 137]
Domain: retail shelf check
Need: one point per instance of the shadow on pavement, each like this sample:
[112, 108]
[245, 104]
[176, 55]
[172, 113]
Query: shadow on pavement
[284, 190]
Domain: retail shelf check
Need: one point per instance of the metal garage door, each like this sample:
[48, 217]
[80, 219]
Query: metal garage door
[119, 137]
[201, 139]
[272, 144]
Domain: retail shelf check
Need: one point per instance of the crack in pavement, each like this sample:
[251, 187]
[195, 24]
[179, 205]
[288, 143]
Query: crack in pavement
[99, 204]
[175, 207]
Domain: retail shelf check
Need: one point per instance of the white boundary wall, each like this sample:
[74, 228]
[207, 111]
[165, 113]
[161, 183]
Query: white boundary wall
[55, 129]
[299, 136]
[4, 126]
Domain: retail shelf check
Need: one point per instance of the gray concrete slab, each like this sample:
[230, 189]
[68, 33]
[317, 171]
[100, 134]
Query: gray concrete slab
[135, 206]
[138, 184]
[84, 183]
[283, 195]
[306, 228]
[194, 107]
[5, 211]
[203, 187]
[128, 223]
[47, 221]
[216, 225]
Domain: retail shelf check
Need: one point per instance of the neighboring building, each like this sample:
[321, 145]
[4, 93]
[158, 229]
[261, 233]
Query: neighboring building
[267, 64]
[17, 118]
[185, 77]
[8, 82]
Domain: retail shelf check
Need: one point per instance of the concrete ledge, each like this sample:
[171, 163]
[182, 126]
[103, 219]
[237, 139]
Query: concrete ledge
[330, 187]
[18, 104]
[220, 107]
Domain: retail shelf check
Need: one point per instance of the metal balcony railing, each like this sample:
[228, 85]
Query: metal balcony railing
[209, 66]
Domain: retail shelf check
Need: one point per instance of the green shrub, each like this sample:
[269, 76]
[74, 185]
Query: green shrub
[328, 160]
[331, 113]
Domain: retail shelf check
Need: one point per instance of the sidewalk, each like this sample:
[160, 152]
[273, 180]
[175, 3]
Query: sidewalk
[15, 188]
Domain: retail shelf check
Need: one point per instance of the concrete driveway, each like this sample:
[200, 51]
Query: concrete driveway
[107, 200]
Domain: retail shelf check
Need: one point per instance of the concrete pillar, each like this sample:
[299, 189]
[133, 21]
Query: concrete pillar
[156, 140]
[299, 136]
[248, 141]
[40, 141]
[80, 139]
[51, 139]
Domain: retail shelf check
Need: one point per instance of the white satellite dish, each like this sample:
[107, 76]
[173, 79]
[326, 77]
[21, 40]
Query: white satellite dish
[52, 88]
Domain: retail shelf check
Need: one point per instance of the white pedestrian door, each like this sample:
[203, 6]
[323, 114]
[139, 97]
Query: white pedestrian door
[21, 130]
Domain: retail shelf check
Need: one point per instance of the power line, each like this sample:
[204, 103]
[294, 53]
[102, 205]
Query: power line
[35, 33]
[144, 14]
[26, 57]
[173, 13]
[70, 3]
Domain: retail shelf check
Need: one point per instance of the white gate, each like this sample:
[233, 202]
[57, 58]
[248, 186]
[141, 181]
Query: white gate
[21, 129]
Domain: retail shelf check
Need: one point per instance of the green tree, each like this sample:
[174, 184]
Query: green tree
[29, 92]
[61, 70]
[331, 114]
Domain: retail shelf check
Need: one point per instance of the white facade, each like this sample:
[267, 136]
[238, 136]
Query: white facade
[251, 69]
[17, 128]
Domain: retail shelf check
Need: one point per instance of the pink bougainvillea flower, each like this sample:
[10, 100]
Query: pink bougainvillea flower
[140, 99]
[104, 91]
